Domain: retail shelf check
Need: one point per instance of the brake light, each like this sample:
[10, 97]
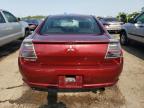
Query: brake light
[27, 50]
[106, 24]
[114, 49]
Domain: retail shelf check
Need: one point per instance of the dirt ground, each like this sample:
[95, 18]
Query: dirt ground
[128, 93]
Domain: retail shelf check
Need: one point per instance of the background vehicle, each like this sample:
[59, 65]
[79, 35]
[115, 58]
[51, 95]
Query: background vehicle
[134, 30]
[113, 25]
[70, 52]
[33, 23]
[10, 28]
[25, 27]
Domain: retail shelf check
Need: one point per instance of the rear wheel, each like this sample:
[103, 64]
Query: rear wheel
[123, 38]
[27, 32]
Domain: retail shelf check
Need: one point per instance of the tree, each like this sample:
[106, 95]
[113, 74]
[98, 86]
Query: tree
[132, 15]
[34, 17]
[122, 17]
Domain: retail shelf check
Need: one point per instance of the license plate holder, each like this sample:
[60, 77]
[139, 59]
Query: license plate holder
[70, 81]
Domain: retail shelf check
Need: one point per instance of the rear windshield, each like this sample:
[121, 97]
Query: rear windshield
[70, 25]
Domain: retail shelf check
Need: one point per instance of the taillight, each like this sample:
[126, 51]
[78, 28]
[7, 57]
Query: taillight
[114, 49]
[27, 50]
[106, 24]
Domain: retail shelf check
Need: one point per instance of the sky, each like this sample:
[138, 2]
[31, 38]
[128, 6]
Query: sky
[21, 8]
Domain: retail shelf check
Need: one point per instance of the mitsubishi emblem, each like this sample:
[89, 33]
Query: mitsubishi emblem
[70, 49]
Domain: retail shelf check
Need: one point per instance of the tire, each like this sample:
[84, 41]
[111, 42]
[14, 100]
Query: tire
[123, 38]
[27, 32]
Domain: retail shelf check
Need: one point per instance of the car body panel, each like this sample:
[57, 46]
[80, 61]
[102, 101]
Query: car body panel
[48, 76]
[71, 49]
[114, 25]
[9, 31]
[24, 26]
[134, 30]
[59, 56]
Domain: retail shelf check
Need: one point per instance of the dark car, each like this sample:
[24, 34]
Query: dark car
[70, 52]
[33, 23]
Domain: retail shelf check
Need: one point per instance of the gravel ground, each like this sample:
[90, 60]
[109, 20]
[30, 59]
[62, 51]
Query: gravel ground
[128, 93]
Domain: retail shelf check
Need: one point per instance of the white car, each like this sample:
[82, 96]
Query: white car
[10, 28]
[112, 25]
[134, 30]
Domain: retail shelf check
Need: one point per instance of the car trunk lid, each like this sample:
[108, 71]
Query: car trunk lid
[71, 50]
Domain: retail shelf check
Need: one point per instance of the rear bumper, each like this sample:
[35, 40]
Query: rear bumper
[114, 29]
[56, 86]
[48, 76]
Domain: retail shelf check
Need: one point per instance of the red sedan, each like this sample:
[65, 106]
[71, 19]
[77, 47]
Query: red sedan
[70, 52]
